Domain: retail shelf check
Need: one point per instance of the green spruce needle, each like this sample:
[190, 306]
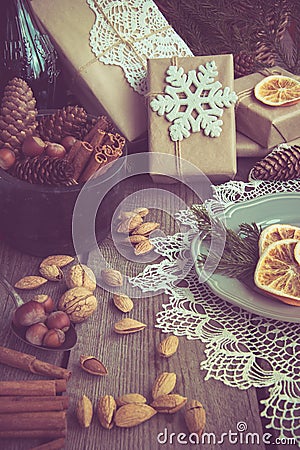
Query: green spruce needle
[240, 254]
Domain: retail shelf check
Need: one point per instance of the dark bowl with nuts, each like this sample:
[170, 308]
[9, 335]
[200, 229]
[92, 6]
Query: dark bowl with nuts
[39, 191]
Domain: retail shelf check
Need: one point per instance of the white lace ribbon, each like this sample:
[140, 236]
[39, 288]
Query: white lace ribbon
[128, 32]
[236, 341]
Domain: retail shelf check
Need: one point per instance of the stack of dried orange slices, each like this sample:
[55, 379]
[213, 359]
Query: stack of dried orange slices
[278, 90]
[277, 272]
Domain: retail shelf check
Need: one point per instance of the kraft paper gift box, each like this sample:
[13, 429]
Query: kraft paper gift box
[214, 156]
[101, 87]
[246, 148]
[264, 124]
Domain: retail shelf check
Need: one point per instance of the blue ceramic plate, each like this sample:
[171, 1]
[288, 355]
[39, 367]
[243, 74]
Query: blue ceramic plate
[273, 208]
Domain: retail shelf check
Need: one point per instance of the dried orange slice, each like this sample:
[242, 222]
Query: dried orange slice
[277, 232]
[297, 252]
[278, 90]
[278, 273]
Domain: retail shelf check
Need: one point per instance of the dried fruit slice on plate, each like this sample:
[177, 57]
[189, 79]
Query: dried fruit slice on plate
[277, 232]
[278, 90]
[278, 273]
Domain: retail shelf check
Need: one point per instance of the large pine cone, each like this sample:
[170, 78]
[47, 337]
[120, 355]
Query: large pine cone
[18, 114]
[244, 64]
[68, 121]
[280, 165]
[44, 170]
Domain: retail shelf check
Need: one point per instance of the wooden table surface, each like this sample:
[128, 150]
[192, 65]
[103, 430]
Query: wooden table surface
[132, 360]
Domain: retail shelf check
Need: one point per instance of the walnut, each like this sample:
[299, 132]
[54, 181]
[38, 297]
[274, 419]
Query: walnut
[79, 303]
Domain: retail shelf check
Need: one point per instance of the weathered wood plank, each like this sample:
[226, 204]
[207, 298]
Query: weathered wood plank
[15, 265]
[133, 364]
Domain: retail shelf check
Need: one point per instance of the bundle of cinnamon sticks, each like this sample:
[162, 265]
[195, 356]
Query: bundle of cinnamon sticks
[34, 408]
[99, 147]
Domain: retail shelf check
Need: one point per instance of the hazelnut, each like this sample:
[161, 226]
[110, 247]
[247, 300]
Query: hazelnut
[58, 319]
[33, 146]
[29, 313]
[35, 333]
[54, 338]
[7, 158]
[46, 301]
[55, 150]
[68, 142]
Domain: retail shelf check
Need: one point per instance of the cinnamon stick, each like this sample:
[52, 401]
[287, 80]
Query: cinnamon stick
[57, 444]
[30, 404]
[64, 399]
[98, 138]
[97, 161]
[73, 150]
[31, 364]
[102, 124]
[111, 153]
[81, 158]
[43, 420]
[32, 387]
[115, 140]
[33, 433]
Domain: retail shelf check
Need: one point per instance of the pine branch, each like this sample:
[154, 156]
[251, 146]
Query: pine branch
[240, 254]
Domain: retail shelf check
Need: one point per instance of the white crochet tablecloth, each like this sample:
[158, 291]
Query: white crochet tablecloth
[236, 340]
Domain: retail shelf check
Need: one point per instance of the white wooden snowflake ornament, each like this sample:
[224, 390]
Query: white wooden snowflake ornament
[193, 101]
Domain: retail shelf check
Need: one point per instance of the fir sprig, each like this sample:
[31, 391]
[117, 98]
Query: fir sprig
[232, 26]
[240, 254]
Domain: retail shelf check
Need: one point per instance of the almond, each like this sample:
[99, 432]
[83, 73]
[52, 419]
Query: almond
[123, 302]
[168, 346]
[146, 228]
[126, 215]
[135, 239]
[126, 326]
[30, 282]
[112, 277]
[127, 225]
[195, 417]
[92, 365]
[133, 414]
[130, 398]
[57, 260]
[84, 411]
[51, 272]
[81, 275]
[164, 384]
[169, 403]
[106, 407]
[143, 247]
[141, 211]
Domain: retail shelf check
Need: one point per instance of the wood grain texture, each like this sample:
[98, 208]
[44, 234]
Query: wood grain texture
[132, 360]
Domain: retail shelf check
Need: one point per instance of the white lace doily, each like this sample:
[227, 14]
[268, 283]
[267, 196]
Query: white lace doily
[236, 341]
[127, 33]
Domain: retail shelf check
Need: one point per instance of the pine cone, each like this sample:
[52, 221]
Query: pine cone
[18, 113]
[68, 121]
[244, 64]
[44, 170]
[280, 165]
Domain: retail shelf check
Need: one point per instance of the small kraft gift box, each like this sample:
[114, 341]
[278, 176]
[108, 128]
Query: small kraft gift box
[104, 46]
[191, 117]
[264, 124]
